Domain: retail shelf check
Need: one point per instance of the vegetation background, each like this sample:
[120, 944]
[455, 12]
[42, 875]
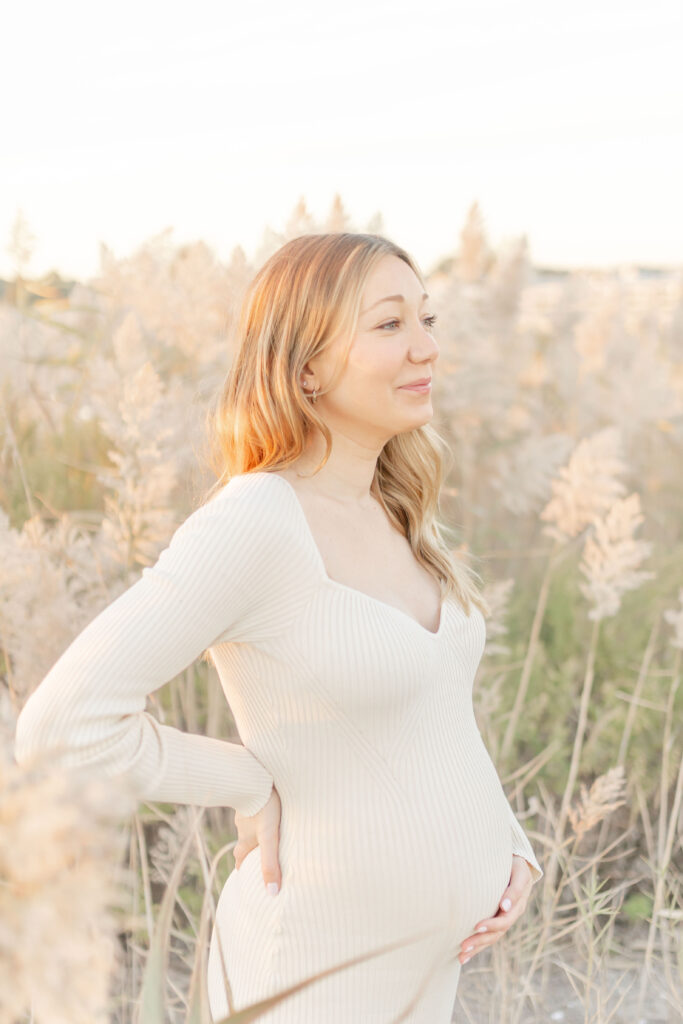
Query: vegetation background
[561, 396]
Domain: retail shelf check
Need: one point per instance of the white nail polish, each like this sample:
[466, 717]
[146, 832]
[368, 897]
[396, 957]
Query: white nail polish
[466, 959]
[482, 929]
[272, 888]
[506, 904]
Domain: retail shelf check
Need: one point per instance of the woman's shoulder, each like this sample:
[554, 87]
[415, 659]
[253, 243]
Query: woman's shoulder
[258, 535]
[242, 519]
[247, 495]
[255, 511]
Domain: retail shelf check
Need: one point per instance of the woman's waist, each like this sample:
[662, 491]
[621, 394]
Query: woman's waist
[342, 809]
[389, 846]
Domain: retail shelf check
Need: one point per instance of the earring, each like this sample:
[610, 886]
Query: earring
[314, 396]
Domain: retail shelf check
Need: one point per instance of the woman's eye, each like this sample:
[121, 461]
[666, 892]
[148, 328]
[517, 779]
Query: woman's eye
[429, 320]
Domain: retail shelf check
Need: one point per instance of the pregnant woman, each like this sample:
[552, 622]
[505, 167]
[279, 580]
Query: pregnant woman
[346, 637]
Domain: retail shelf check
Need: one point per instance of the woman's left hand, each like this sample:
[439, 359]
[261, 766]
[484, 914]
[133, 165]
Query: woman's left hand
[512, 905]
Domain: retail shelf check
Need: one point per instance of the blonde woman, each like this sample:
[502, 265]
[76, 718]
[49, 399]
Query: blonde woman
[346, 637]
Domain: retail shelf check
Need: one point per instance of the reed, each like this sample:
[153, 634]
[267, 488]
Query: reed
[562, 397]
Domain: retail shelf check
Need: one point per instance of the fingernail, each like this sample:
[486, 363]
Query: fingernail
[506, 904]
[466, 959]
[272, 888]
[468, 949]
[482, 929]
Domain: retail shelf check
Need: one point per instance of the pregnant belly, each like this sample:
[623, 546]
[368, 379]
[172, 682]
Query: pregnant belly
[360, 869]
[356, 878]
[439, 859]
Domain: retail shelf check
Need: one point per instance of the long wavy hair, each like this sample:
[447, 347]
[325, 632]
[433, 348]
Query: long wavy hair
[306, 294]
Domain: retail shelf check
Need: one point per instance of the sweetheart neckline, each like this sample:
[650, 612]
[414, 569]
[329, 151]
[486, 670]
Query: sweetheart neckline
[434, 634]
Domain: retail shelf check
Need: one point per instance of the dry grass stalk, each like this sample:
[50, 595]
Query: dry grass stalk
[61, 887]
[508, 393]
[611, 557]
[586, 486]
[604, 795]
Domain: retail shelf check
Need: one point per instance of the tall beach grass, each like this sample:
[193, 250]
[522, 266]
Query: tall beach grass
[562, 398]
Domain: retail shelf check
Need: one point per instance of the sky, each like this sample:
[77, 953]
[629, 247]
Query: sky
[564, 122]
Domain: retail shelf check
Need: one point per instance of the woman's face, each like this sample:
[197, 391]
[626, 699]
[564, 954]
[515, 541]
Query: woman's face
[393, 346]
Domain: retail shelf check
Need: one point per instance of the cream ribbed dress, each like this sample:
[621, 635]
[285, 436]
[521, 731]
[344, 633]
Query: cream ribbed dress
[394, 823]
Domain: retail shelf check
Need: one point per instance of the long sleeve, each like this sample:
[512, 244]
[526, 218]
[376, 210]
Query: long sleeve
[88, 712]
[522, 846]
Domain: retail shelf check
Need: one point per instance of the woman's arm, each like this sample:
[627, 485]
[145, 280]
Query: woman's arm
[522, 847]
[88, 712]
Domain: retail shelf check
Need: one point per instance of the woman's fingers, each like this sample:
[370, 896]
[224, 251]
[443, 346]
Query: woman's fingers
[475, 943]
[263, 830]
[495, 929]
[240, 850]
[270, 865]
[519, 885]
[512, 905]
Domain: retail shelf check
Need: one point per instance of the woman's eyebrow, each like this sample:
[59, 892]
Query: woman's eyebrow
[391, 298]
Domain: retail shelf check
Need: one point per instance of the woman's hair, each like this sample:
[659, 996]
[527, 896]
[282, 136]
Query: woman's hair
[306, 294]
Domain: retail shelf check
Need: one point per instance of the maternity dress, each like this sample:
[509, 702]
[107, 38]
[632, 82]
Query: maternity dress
[395, 827]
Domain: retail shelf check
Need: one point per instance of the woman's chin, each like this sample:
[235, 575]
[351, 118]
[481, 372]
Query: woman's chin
[415, 421]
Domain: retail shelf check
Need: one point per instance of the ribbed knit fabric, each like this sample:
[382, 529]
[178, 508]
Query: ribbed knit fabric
[394, 823]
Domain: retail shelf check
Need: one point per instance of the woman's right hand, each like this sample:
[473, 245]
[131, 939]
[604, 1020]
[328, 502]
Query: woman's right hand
[261, 829]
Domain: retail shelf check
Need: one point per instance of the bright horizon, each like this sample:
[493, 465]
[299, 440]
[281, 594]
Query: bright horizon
[565, 126]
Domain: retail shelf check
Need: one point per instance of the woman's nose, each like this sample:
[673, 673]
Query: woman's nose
[423, 346]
